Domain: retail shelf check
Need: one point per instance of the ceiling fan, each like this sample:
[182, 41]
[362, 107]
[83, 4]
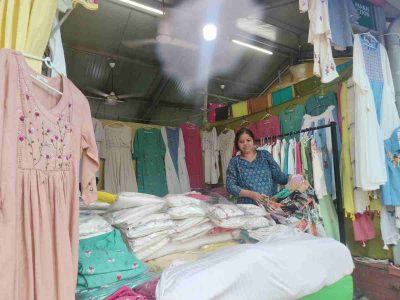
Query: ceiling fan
[163, 37]
[110, 98]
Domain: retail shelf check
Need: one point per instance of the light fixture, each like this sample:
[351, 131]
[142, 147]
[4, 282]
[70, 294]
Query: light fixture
[253, 47]
[210, 32]
[142, 6]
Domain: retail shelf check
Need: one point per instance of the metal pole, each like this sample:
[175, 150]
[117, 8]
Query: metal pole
[338, 184]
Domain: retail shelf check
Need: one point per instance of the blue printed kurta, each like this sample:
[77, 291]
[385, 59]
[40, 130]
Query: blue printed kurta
[261, 175]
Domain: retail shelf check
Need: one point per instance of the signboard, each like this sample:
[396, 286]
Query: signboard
[367, 14]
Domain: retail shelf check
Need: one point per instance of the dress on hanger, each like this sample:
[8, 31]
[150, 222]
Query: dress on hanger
[175, 164]
[42, 138]
[193, 155]
[226, 142]
[119, 174]
[149, 152]
[376, 113]
[210, 153]
[100, 137]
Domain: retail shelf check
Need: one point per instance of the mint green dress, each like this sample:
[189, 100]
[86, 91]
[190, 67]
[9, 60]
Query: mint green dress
[291, 119]
[149, 152]
[105, 259]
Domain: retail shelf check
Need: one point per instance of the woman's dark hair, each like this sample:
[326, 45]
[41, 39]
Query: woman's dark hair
[242, 131]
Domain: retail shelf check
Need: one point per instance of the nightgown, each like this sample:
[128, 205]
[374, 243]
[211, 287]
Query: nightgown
[43, 136]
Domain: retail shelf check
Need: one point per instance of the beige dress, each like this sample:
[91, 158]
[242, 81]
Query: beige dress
[43, 136]
[119, 174]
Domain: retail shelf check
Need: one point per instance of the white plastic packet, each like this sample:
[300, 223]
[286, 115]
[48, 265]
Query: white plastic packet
[131, 199]
[182, 225]
[143, 255]
[231, 223]
[254, 210]
[91, 225]
[225, 211]
[187, 211]
[94, 206]
[148, 219]
[193, 232]
[255, 223]
[181, 200]
[149, 228]
[142, 243]
[132, 216]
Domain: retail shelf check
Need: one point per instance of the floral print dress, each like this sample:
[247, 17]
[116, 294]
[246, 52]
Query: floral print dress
[42, 139]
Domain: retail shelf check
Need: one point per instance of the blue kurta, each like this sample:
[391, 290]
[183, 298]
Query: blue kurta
[261, 175]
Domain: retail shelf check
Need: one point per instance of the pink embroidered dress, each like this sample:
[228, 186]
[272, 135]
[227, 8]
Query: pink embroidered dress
[43, 136]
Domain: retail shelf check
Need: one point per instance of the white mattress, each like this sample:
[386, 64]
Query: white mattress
[283, 268]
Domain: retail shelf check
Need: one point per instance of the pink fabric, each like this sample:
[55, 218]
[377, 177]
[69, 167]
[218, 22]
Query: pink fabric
[199, 196]
[364, 229]
[148, 289]
[43, 137]
[125, 293]
[267, 128]
[298, 159]
[254, 129]
[193, 155]
[211, 110]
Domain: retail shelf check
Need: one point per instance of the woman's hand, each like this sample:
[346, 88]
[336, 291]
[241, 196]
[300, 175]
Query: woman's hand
[256, 196]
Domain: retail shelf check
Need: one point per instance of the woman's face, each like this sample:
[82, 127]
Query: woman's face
[246, 143]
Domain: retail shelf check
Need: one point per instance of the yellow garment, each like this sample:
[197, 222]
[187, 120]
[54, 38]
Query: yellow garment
[25, 25]
[239, 109]
[106, 197]
[159, 264]
[345, 160]
[88, 4]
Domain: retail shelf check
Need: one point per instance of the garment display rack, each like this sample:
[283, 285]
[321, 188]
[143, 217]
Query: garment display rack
[338, 185]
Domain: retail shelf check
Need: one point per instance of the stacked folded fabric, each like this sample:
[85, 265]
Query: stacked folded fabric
[243, 216]
[105, 259]
[143, 221]
[91, 225]
[193, 227]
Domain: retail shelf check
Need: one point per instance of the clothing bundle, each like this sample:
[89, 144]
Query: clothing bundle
[104, 260]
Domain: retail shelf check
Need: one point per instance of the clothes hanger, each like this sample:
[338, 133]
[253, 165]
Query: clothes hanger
[290, 107]
[266, 116]
[369, 39]
[225, 130]
[49, 64]
[244, 122]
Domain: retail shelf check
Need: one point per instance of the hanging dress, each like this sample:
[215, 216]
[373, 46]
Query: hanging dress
[42, 137]
[149, 152]
[226, 142]
[119, 174]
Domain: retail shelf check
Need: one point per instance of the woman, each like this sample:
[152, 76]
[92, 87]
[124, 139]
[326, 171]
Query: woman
[253, 174]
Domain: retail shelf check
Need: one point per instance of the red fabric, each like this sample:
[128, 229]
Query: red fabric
[125, 293]
[268, 127]
[148, 289]
[363, 227]
[253, 128]
[299, 169]
[211, 111]
[193, 155]
[377, 2]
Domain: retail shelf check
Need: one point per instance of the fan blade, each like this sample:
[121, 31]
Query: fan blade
[183, 44]
[96, 98]
[138, 43]
[96, 92]
[128, 96]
